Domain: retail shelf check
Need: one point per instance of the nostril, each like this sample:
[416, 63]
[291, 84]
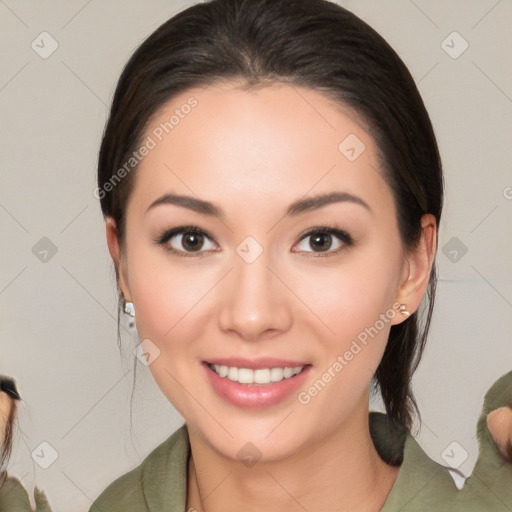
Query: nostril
[7, 385]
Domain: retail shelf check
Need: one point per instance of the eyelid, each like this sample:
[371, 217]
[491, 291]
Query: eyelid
[169, 233]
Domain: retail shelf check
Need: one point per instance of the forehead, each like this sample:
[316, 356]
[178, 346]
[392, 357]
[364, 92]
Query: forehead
[263, 146]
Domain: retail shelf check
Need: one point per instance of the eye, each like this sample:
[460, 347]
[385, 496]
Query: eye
[323, 238]
[186, 241]
[191, 241]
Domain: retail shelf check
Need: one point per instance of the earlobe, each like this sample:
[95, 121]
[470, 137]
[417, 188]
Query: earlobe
[419, 266]
[114, 248]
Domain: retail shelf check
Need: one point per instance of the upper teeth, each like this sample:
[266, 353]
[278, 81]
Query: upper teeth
[260, 376]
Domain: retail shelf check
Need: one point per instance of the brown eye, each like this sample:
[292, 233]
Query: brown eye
[321, 240]
[186, 241]
[192, 241]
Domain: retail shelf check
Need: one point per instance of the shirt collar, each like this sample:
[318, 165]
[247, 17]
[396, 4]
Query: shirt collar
[420, 483]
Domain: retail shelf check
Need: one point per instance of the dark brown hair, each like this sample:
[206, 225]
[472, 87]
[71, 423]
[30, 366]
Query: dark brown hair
[311, 43]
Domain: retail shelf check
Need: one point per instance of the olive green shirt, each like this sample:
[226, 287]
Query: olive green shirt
[14, 497]
[159, 483]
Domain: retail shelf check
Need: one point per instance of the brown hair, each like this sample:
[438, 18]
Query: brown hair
[311, 43]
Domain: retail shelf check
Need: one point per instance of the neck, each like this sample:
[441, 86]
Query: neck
[341, 472]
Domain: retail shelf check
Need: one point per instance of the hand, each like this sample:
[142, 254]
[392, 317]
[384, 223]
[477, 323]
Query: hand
[499, 423]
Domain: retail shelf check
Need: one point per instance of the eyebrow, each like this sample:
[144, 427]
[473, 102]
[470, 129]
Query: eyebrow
[296, 208]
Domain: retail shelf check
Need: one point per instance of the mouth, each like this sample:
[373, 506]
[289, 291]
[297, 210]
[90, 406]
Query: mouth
[255, 388]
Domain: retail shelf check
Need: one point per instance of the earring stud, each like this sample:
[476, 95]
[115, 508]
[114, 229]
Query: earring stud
[403, 309]
[128, 308]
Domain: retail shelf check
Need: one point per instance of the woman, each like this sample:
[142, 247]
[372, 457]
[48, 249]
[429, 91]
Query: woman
[272, 190]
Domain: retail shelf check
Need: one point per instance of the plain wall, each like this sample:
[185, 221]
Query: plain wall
[58, 318]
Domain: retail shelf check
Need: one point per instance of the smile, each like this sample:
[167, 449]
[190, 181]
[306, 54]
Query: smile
[259, 376]
[256, 387]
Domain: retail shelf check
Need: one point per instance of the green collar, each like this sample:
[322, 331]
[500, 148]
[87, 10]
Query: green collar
[420, 484]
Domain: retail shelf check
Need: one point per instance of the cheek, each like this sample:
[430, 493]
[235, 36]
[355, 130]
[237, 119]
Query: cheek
[356, 302]
[165, 299]
[172, 298]
[352, 296]
[172, 305]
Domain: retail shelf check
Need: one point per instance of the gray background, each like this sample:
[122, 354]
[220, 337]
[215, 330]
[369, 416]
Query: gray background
[58, 329]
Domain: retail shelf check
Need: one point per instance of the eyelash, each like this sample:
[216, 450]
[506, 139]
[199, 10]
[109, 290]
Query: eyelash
[342, 235]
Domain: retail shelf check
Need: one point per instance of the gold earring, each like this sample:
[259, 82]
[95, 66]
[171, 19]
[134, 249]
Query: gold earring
[403, 309]
[128, 308]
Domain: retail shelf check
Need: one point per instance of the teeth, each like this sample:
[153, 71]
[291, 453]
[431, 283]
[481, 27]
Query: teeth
[260, 376]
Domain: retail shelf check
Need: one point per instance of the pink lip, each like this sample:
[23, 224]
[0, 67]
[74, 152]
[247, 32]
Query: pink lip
[255, 396]
[255, 364]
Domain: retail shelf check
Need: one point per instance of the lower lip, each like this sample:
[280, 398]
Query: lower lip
[255, 396]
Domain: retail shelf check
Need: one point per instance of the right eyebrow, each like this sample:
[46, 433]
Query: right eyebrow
[192, 203]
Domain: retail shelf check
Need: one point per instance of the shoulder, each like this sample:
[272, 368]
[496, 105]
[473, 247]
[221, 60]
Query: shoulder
[13, 494]
[14, 497]
[158, 480]
[422, 484]
[492, 474]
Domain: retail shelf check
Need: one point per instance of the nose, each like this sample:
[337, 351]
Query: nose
[256, 303]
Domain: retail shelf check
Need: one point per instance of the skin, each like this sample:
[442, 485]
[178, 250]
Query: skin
[253, 153]
[5, 411]
[499, 423]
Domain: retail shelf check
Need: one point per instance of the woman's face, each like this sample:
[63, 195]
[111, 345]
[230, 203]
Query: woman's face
[257, 282]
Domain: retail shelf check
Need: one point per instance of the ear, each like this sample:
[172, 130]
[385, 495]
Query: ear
[417, 268]
[118, 258]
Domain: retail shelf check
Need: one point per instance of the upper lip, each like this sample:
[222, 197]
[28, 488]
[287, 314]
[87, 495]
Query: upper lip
[255, 364]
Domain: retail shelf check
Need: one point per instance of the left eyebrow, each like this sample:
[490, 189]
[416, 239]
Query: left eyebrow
[316, 202]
